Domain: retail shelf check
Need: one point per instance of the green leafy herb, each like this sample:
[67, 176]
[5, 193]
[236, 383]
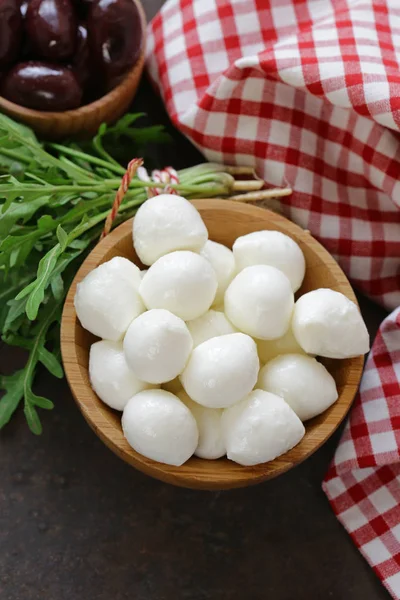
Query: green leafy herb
[54, 200]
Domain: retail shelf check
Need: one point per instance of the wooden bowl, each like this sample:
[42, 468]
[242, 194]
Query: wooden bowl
[225, 220]
[83, 121]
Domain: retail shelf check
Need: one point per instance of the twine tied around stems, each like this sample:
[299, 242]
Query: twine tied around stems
[165, 176]
[168, 175]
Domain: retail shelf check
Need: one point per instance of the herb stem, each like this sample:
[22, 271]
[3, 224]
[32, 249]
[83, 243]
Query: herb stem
[89, 158]
[84, 172]
[15, 155]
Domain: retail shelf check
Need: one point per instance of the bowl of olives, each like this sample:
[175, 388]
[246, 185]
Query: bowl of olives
[66, 66]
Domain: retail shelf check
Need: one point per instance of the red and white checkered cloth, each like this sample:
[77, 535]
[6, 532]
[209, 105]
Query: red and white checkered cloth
[363, 482]
[308, 92]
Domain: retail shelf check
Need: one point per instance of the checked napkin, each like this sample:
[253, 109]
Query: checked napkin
[308, 92]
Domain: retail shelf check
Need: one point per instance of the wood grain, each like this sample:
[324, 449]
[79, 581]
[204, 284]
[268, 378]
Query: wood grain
[83, 121]
[225, 221]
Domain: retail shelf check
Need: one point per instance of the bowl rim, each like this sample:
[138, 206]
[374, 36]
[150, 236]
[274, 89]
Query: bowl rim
[188, 475]
[82, 111]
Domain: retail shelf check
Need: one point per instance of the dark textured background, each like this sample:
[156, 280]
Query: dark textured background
[78, 524]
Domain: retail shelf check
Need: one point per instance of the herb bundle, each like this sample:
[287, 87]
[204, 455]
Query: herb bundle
[54, 200]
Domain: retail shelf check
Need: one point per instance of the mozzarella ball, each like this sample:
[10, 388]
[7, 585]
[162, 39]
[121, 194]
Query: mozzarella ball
[157, 346]
[110, 376]
[287, 344]
[259, 428]
[302, 382]
[327, 323]
[223, 263]
[159, 426]
[211, 324]
[173, 386]
[181, 282]
[211, 444]
[271, 248]
[107, 299]
[260, 301]
[221, 370]
[166, 223]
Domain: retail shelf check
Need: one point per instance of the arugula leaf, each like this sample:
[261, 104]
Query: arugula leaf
[15, 312]
[22, 131]
[125, 122]
[40, 401]
[32, 418]
[51, 313]
[57, 286]
[98, 145]
[19, 211]
[62, 237]
[46, 222]
[46, 267]
[27, 140]
[51, 363]
[14, 387]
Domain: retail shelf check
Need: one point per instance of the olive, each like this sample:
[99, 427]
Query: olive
[23, 8]
[114, 81]
[82, 6]
[115, 35]
[10, 31]
[52, 28]
[81, 58]
[42, 86]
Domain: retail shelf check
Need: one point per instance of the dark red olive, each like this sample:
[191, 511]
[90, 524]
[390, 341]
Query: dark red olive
[52, 28]
[82, 6]
[81, 58]
[10, 31]
[115, 35]
[42, 86]
[24, 7]
[113, 82]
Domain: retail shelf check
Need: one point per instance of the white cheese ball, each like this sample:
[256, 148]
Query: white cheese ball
[173, 386]
[260, 301]
[107, 299]
[271, 248]
[221, 370]
[327, 323]
[110, 376]
[223, 263]
[157, 346]
[260, 428]
[166, 223]
[211, 443]
[181, 282]
[212, 324]
[287, 344]
[159, 426]
[302, 382]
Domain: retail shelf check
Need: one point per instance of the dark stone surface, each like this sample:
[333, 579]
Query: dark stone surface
[77, 523]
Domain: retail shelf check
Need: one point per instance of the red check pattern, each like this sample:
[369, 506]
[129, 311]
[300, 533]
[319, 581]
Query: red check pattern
[363, 482]
[308, 92]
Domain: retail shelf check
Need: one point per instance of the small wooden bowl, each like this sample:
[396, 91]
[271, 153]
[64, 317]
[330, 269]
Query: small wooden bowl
[85, 120]
[225, 220]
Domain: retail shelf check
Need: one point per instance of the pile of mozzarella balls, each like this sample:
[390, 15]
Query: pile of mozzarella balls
[206, 352]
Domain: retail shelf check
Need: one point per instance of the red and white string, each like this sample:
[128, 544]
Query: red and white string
[167, 176]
